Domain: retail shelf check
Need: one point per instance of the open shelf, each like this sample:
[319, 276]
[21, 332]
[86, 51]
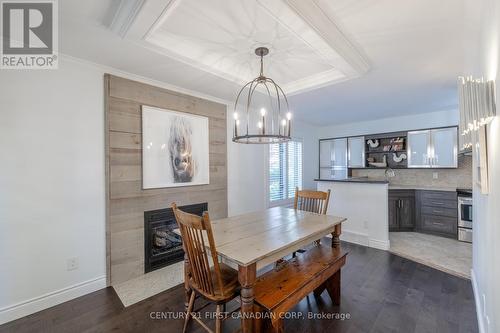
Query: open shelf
[377, 153]
[386, 152]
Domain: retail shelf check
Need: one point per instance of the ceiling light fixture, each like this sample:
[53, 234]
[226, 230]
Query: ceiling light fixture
[259, 124]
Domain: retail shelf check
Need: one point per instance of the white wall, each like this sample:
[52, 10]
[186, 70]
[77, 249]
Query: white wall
[393, 124]
[486, 245]
[246, 175]
[52, 202]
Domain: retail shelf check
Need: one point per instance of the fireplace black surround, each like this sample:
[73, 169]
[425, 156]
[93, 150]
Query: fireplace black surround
[162, 247]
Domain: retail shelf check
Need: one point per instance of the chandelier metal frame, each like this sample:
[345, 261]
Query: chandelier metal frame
[280, 127]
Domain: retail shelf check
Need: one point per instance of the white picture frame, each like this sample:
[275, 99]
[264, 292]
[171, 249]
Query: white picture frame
[175, 148]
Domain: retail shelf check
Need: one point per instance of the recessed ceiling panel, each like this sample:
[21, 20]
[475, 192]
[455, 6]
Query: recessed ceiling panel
[219, 36]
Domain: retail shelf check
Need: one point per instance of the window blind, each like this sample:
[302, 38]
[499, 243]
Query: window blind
[285, 170]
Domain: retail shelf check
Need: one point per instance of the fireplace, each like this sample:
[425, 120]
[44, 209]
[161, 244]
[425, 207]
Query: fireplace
[162, 247]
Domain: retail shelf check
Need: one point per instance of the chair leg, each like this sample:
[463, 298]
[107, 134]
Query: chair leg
[218, 319]
[189, 310]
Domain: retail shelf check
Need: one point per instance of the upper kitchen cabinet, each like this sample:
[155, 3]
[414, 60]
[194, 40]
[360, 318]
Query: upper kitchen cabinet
[434, 148]
[333, 158]
[444, 147]
[356, 152]
[325, 157]
[419, 149]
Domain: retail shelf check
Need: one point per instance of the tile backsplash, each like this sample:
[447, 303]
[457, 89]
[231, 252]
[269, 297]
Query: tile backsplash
[460, 177]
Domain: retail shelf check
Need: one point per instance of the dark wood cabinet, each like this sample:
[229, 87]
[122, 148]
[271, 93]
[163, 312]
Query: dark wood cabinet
[401, 210]
[407, 213]
[393, 213]
[436, 213]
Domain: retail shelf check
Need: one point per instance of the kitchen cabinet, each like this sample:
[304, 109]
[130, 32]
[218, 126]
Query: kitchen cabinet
[436, 213]
[401, 210]
[444, 147]
[356, 152]
[333, 158]
[418, 149]
[393, 213]
[434, 148]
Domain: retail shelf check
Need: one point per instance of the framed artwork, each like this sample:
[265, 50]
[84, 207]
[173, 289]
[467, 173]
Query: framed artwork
[482, 159]
[175, 148]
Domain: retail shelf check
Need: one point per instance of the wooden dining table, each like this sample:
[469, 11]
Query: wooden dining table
[254, 240]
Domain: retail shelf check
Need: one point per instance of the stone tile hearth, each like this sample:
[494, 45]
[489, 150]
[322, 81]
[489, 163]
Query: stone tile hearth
[152, 283]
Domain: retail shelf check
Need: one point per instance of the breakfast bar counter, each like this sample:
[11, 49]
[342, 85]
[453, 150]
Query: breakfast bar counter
[364, 202]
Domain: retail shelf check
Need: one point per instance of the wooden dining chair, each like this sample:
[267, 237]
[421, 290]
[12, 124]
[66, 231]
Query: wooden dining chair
[311, 201]
[218, 283]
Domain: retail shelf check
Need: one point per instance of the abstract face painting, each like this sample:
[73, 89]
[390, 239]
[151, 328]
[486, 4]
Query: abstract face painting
[181, 153]
[175, 148]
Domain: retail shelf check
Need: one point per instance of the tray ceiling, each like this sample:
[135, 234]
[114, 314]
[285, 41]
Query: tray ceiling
[307, 50]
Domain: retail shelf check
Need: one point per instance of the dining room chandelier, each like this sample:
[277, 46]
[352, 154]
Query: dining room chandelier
[267, 121]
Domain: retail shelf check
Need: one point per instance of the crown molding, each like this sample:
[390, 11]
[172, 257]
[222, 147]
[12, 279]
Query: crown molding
[123, 15]
[161, 84]
[324, 26]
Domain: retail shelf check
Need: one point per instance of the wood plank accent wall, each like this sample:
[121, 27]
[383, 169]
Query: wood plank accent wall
[126, 200]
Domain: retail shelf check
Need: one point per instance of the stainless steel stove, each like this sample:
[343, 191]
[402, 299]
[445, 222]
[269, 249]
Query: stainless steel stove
[465, 219]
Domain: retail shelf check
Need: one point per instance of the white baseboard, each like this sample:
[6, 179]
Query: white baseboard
[477, 299]
[363, 239]
[355, 237]
[379, 244]
[48, 300]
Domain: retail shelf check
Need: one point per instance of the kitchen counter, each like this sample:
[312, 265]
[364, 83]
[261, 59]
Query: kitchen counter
[423, 188]
[367, 180]
[364, 180]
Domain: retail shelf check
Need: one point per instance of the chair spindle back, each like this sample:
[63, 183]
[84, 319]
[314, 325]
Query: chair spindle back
[193, 229]
[311, 201]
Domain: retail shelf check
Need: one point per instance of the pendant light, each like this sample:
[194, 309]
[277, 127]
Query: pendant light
[260, 121]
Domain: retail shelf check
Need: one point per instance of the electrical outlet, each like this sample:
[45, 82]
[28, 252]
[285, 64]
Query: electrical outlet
[72, 264]
[435, 175]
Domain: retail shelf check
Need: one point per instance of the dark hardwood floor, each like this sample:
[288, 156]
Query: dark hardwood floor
[381, 292]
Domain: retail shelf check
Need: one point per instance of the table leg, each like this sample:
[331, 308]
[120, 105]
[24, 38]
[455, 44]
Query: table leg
[187, 288]
[336, 236]
[246, 277]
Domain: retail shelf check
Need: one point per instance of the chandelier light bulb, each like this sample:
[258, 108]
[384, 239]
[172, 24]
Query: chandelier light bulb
[262, 112]
[288, 116]
[283, 122]
[259, 124]
[235, 115]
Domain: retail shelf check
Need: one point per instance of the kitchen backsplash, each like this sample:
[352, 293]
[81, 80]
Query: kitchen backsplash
[460, 177]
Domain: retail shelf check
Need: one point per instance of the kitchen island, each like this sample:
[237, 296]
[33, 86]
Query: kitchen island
[364, 202]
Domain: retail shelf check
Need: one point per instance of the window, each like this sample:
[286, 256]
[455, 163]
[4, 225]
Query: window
[285, 171]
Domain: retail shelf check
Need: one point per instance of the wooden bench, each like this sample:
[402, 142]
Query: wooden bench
[279, 290]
